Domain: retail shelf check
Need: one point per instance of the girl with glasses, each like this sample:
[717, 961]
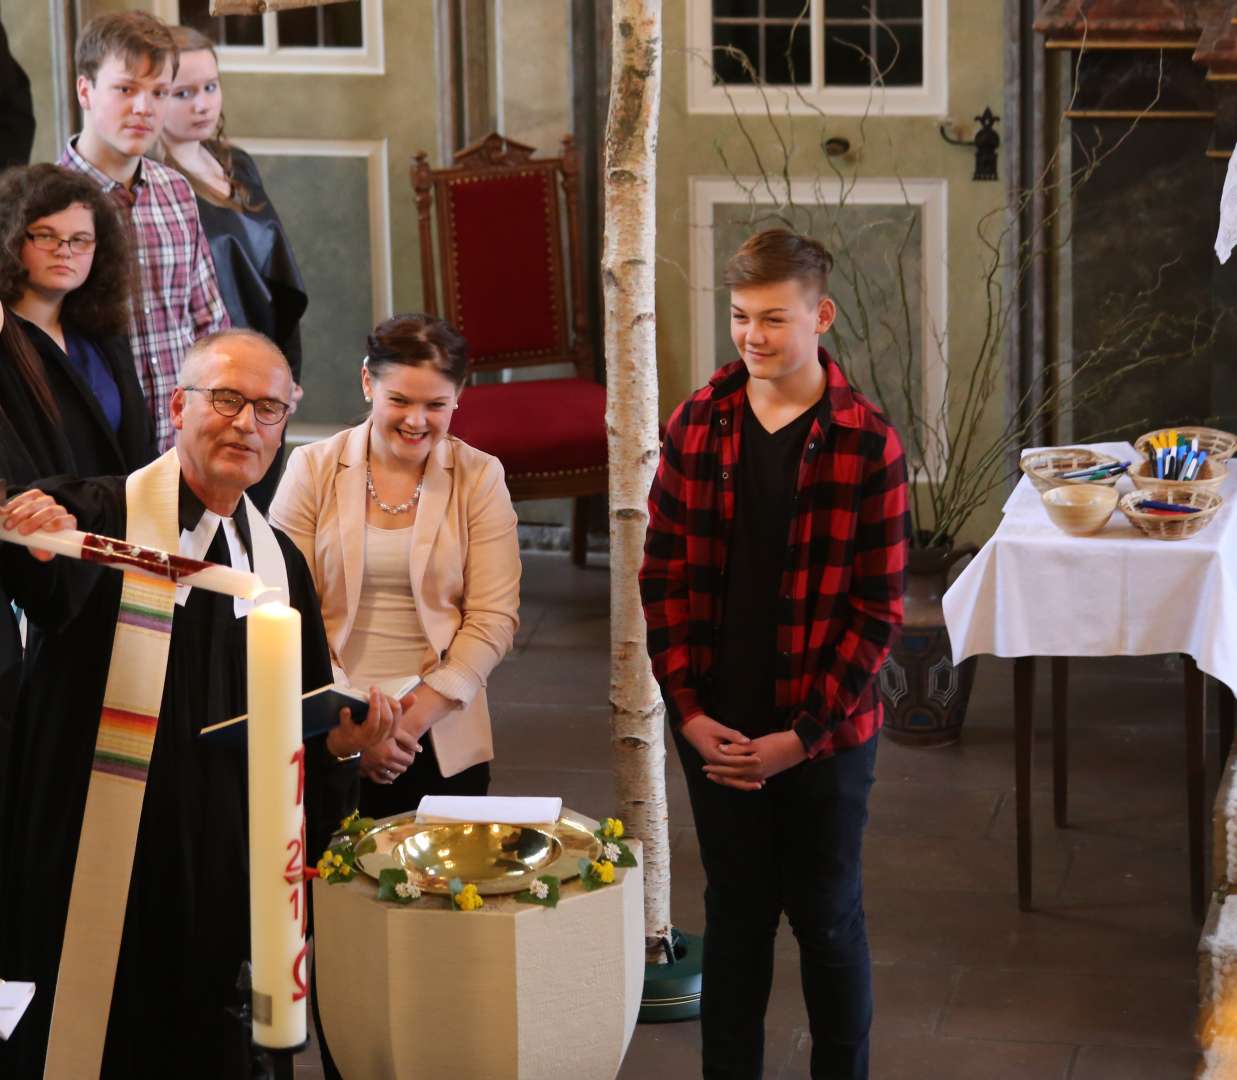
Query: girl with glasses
[257, 271]
[65, 276]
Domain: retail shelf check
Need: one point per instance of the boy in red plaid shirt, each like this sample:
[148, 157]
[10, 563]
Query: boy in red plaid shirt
[772, 586]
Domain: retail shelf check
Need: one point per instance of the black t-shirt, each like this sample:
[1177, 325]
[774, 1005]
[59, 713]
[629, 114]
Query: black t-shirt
[745, 655]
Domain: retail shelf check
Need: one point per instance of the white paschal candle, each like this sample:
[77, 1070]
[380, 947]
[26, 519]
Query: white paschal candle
[276, 827]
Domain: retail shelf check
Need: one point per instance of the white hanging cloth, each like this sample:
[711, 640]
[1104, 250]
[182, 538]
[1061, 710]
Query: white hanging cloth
[1226, 238]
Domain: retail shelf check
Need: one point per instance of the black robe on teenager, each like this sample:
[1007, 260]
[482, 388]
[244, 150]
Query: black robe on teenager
[97, 449]
[187, 922]
[259, 280]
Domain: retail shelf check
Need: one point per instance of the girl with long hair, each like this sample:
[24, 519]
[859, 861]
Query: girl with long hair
[258, 275]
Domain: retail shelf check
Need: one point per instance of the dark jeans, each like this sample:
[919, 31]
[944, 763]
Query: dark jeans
[794, 846]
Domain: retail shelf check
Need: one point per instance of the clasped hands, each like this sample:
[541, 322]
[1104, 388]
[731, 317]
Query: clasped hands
[380, 723]
[387, 758]
[734, 760]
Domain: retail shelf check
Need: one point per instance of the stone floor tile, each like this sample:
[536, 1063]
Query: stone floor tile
[921, 1058]
[955, 864]
[983, 758]
[1026, 1006]
[1154, 816]
[1122, 870]
[905, 808]
[537, 736]
[986, 930]
[910, 998]
[1133, 1063]
[669, 1051]
[558, 676]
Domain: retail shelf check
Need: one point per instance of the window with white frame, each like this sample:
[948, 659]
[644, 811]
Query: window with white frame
[343, 38]
[848, 57]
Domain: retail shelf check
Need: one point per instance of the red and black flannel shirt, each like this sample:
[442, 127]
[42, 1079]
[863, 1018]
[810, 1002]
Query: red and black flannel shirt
[845, 558]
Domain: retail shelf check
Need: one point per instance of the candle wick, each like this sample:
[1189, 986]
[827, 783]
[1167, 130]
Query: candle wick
[269, 594]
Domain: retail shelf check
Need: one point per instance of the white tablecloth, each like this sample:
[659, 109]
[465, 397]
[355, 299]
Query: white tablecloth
[1035, 591]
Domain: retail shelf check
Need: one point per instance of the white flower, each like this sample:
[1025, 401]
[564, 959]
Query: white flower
[611, 852]
[539, 889]
[407, 890]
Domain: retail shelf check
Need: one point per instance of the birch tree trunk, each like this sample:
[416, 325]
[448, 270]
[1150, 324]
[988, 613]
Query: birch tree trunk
[637, 717]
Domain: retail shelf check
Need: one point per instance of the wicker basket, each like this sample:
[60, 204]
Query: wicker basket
[1042, 466]
[1220, 445]
[1171, 528]
[1209, 478]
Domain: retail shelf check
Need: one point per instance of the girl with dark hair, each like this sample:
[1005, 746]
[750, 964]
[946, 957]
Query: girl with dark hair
[32, 445]
[411, 538]
[64, 275]
[256, 269]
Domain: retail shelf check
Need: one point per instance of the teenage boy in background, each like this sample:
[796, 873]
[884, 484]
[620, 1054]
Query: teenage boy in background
[772, 585]
[125, 65]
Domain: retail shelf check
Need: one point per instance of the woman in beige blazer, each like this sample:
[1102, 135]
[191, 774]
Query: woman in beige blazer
[411, 539]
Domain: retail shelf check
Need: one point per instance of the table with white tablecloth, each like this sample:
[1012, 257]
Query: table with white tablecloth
[1035, 591]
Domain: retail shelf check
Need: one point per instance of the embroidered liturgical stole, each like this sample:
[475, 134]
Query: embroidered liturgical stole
[123, 747]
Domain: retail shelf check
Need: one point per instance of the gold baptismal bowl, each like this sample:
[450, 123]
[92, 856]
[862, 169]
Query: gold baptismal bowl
[496, 858]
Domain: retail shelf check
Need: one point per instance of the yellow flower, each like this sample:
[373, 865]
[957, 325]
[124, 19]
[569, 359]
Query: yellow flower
[325, 866]
[345, 871]
[355, 815]
[603, 872]
[468, 899]
[613, 828]
[338, 859]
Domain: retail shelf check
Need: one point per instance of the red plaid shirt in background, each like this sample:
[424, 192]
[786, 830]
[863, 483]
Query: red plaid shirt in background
[179, 299]
[845, 558]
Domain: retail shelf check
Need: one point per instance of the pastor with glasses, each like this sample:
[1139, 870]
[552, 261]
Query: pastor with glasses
[65, 277]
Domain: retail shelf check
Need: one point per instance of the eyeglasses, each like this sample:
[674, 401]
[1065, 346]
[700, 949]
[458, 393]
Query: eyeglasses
[77, 245]
[232, 403]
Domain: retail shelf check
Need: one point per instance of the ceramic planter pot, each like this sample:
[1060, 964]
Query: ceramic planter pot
[925, 694]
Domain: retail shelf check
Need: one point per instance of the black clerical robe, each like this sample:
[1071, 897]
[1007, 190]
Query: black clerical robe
[31, 446]
[187, 925]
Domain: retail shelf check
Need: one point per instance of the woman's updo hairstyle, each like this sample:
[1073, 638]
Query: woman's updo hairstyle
[417, 340]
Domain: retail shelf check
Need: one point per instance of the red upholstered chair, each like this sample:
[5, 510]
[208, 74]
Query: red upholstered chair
[504, 272]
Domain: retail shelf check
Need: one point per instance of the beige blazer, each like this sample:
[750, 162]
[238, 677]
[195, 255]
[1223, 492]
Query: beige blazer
[464, 568]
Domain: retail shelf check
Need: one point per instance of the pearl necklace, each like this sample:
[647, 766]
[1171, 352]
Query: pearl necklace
[387, 508]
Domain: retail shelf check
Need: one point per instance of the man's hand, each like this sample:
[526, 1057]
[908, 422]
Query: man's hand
[347, 738]
[768, 756]
[33, 510]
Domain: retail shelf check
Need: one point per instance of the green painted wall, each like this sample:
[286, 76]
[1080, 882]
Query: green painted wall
[335, 262]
